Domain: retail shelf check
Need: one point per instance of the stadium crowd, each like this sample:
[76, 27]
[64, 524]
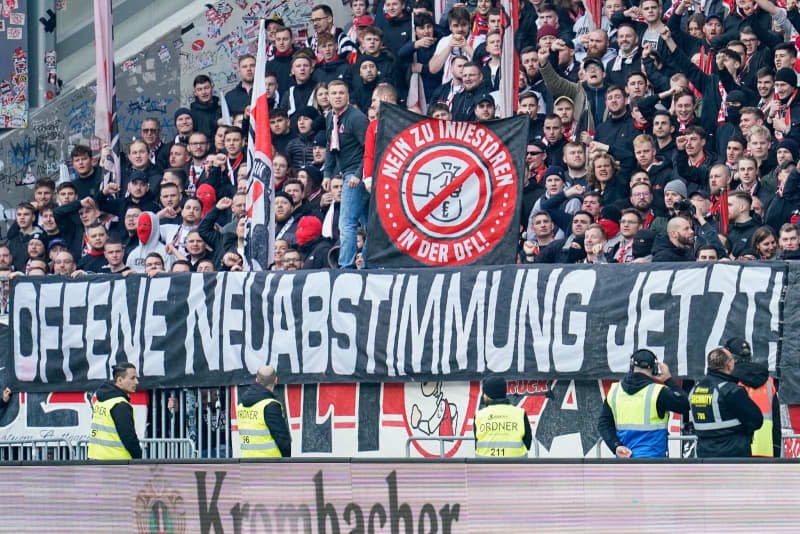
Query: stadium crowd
[670, 133]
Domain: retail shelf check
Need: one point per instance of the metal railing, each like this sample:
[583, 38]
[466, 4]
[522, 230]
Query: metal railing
[689, 452]
[200, 415]
[152, 449]
[449, 439]
[38, 450]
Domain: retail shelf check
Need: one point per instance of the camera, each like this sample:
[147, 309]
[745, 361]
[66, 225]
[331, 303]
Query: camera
[684, 207]
[656, 369]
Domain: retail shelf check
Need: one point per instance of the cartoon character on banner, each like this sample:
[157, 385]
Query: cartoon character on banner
[436, 409]
[437, 415]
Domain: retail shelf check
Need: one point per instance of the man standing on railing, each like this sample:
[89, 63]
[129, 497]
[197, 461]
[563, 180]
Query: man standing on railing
[113, 433]
[501, 429]
[263, 432]
[635, 415]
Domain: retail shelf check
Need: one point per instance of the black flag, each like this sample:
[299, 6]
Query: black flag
[445, 192]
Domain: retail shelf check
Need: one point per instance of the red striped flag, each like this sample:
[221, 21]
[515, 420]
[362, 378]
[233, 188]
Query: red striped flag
[105, 123]
[723, 211]
[260, 230]
[509, 66]
[595, 9]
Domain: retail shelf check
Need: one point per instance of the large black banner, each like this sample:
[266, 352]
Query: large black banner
[579, 322]
[445, 193]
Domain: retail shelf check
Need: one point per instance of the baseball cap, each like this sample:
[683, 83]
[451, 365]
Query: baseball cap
[593, 61]
[485, 97]
[321, 139]
[363, 20]
[138, 175]
[644, 358]
[739, 347]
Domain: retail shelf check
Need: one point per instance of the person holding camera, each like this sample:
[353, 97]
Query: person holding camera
[686, 229]
[724, 416]
[635, 415]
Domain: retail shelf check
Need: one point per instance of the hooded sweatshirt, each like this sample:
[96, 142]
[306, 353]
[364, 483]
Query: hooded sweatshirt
[273, 416]
[207, 197]
[205, 115]
[672, 398]
[152, 244]
[122, 414]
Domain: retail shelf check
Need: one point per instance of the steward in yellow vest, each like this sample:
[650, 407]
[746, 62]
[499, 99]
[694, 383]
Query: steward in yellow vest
[635, 415]
[113, 433]
[501, 430]
[754, 378]
[263, 432]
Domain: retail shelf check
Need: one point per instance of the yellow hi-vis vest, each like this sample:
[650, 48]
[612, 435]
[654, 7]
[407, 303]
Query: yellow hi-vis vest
[499, 430]
[104, 441]
[763, 397]
[637, 411]
[255, 439]
[636, 417]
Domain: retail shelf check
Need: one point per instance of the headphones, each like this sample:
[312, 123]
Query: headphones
[654, 369]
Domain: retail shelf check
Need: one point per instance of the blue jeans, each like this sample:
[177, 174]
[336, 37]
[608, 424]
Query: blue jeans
[352, 212]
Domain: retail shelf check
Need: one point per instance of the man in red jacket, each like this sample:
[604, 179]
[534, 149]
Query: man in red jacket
[384, 92]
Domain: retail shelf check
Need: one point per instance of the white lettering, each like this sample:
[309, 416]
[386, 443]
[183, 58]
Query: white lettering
[499, 358]
[232, 321]
[377, 290]
[619, 355]
[199, 324]
[72, 332]
[454, 320]
[49, 297]
[314, 320]
[686, 284]
[346, 287]
[24, 301]
[283, 338]
[722, 279]
[155, 325]
[97, 330]
[775, 317]
[568, 357]
[121, 323]
[652, 319]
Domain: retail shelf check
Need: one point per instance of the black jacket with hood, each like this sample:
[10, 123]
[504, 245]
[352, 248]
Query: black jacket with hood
[664, 251]
[205, 115]
[740, 235]
[273, 416]
[734, 403]
[122, 414]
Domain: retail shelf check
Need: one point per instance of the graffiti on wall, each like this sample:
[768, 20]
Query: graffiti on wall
[13, 65]
[147, 86]
[214, 40]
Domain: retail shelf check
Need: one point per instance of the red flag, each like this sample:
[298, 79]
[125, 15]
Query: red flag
[260, 230]
[723, 211]
[595, 9]
[105, 104]
[509, 66]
